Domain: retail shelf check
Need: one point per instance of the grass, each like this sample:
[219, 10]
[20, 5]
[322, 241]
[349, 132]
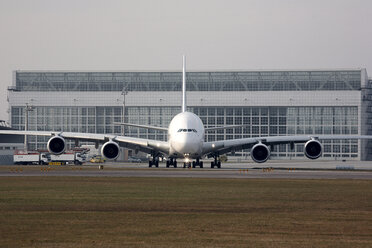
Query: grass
[184, 212]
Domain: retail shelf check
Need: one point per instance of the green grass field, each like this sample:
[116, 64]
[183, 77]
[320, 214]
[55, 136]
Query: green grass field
[171, 212]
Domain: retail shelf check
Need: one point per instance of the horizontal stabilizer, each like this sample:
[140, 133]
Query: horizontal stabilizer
[141, 126]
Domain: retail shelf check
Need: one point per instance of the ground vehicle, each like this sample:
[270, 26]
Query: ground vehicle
[70, 157]
[134, 160]
[97, 159]
[30, 157]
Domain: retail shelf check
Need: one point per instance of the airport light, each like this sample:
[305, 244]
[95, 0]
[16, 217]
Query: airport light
[124, 92]
[27, 109]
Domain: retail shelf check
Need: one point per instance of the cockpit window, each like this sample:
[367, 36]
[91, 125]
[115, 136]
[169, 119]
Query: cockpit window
[187, 130]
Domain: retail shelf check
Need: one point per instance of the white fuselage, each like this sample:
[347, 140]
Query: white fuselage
[186, 136]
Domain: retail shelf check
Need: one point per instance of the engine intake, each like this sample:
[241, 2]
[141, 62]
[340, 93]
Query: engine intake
[110, 150]
[313, 149]
[260, 153]
[56, 145]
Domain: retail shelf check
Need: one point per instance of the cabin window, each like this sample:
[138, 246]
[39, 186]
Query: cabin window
[187, 130]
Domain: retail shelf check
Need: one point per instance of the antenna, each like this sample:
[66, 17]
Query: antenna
[184, 106]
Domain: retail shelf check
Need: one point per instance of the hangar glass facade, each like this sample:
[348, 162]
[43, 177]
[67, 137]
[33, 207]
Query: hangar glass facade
[259, 121]
[196, 81]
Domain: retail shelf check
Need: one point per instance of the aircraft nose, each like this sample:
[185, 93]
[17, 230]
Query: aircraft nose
[186, 144]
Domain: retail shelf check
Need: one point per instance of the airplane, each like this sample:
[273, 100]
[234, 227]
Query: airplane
[186, 140]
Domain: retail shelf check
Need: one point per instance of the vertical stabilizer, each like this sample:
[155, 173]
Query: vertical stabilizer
[184, 106]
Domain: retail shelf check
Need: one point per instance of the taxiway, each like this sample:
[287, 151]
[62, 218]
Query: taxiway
[355, 170]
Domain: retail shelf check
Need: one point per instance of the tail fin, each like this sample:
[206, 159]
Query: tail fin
[184, 106]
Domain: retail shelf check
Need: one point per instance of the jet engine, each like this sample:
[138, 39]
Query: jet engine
[260, 153]
[56, 145]
[110, 150]
[313, 149]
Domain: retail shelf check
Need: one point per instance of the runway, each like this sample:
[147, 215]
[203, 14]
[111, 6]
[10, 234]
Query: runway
[109, 171]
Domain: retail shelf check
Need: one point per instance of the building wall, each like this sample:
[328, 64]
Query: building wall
[8, 145]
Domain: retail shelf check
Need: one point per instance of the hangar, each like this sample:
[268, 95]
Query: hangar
[268, 102]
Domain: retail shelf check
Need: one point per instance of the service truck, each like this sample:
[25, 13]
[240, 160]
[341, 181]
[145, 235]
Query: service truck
[30, 157]
[69, 157]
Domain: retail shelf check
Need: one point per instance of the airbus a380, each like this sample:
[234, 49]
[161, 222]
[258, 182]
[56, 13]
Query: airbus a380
[186, 134]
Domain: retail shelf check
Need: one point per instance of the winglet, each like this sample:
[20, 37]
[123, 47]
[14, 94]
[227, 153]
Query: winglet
[184, 106]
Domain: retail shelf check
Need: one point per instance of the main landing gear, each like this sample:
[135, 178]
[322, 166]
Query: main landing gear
[197, 163]
[171, 162]
[216, 162]
[154, 161]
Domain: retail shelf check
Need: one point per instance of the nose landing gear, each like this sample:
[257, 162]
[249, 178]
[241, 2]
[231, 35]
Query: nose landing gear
[193, 164]
[187, 165]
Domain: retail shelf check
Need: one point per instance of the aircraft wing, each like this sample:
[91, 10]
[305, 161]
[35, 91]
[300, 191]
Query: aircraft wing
[145, 145]
[225, 146]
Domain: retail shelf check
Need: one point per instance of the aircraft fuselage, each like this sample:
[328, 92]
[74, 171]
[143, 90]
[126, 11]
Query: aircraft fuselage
[186, 136]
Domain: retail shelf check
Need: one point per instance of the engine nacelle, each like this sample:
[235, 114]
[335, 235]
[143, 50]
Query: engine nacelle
[56, 145]
[313, 149]
[110, 150]
[260, 153]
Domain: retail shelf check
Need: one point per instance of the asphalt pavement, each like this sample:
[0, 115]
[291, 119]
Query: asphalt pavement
[280, 170]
